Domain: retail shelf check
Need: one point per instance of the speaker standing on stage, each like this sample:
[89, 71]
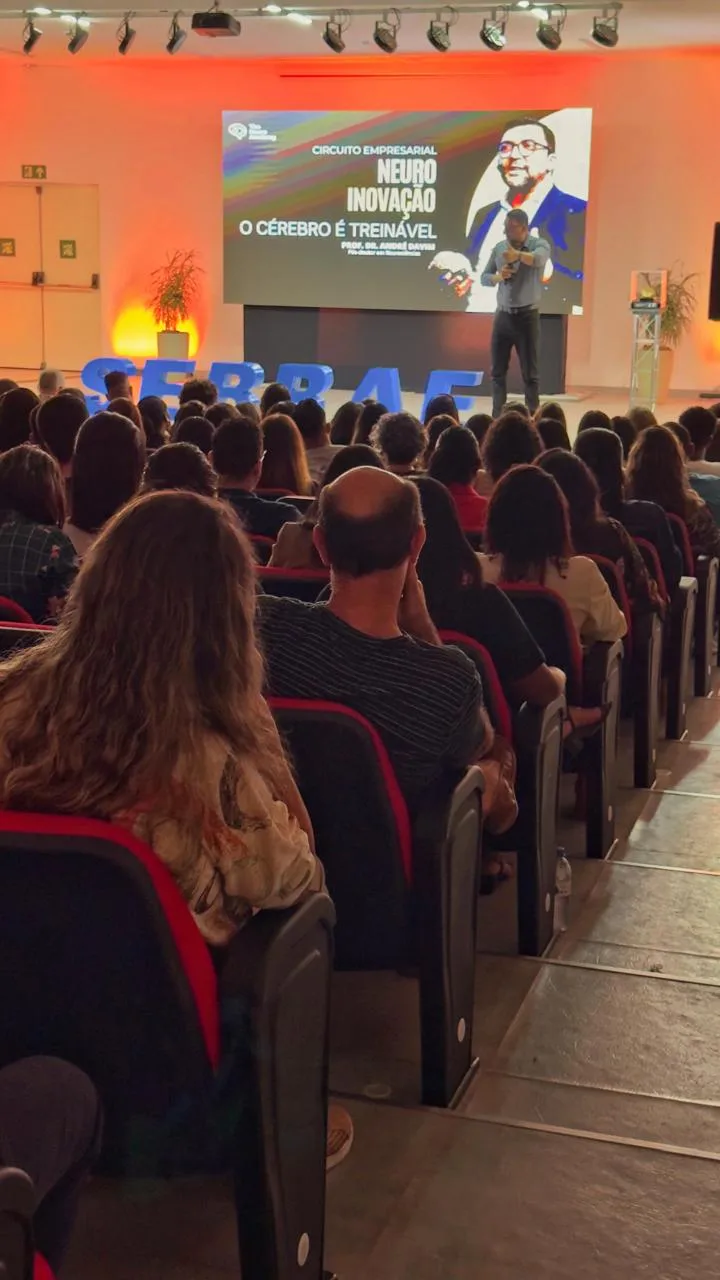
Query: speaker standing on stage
[516, 266]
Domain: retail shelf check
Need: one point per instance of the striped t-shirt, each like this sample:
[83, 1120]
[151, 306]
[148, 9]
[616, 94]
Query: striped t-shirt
[423, 699]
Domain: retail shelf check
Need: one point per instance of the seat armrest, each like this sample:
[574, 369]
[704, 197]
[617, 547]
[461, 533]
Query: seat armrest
[531, 724]
[597, 663]
[255, 951]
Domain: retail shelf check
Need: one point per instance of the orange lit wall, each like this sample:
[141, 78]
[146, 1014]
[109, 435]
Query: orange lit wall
[148, 132]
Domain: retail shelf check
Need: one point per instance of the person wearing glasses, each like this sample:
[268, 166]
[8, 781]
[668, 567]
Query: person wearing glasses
[526, 156]
[516, 267]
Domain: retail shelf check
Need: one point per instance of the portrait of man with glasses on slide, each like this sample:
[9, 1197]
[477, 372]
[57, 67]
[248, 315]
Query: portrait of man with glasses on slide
[526, 158]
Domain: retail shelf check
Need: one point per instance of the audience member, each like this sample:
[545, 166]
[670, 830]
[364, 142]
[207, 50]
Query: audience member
[7, 384]
[537, 548]
[553, 434]
[459, 600]
[50, 382]
[222, 409]
[342, 427]
[656, 473]
[602, 452]
[455, 463]
[246, 409]
[145, 708]
[237, 459]
[295, 547]
[56, 426]
[434, 429]
[287, 407]
[640, 418]
[127, 409]
[517, 406]
[312, 425]
[77, 392]
[511, 440]
[370, 414]
[445, 404]
[479, 424]
[117, 385]
[701, 425]
[195, 431]
[593, 533]
[190, 409]
[107, 468]
[50, 1127]
[274, 393]
[155, 421]
[37, 561]
[201, 389]
[551, 409]
[285, 462]
[400, 440]
[180, 466]
[713, 450]
[624, 429]
[682, 435]
[594, 419]
[373, 646]
[16, 407]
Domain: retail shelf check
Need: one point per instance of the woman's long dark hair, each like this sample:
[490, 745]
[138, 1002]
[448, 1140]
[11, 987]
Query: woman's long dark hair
[369, 415]
[447, 563]
[602, 452]
[581, 491]
[528, 524]
[108, 464]
[656, 472]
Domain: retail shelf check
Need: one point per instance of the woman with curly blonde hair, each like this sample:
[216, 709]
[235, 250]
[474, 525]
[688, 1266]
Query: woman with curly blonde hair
[144, 707]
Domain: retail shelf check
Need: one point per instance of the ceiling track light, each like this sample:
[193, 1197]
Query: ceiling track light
[549, 29]
[31, 35]
[438, 33]
[605, 29]
[78, 34]
[492, 31]
[125, 34]
[386, 29]
[176, 35]
[334, 28]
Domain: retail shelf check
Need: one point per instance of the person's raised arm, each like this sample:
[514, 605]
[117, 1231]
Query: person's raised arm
[413, 616]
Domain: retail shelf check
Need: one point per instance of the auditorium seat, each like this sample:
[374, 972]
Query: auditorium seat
[678, 630]
[12, 612]
[705, 569]
[405, 894]
[262, 547]
[642, 668]
[536, 734]
[105, 967]
[301, 584]
[593, 680]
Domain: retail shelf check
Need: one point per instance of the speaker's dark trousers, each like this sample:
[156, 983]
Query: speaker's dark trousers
[519, 329]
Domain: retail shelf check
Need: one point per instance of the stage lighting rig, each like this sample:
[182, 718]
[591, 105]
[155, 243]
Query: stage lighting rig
[215, 23]
[386, 29]
[125, 34]
[605, 29]
[334, 28]
[492, 31]
[31, 35]
[549, 30]
[176, 35]
[78, 33]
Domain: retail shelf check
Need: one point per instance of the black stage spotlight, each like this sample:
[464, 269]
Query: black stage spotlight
[78, 36]
[438, 33]
[334, 28]
[176, 36]
[549, 31]
[386, 29]
[492, 31]
[31, 35]
[605, 29]
[125, 34]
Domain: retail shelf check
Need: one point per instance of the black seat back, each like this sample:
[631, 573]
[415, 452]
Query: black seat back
[547, 618]
[300, 584]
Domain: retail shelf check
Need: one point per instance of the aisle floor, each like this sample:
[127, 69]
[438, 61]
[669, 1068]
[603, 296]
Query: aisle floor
[589, 1141]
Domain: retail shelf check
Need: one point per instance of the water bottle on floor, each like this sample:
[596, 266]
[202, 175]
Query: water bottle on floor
[563, 890]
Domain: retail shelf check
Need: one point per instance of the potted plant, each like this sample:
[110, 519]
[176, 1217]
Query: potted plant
[174, 288]
[675, 321]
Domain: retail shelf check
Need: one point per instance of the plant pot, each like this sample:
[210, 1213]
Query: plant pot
[665, 371]
[173, 345]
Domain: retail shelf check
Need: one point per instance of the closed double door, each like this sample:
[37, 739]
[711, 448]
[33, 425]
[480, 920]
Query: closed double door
[49, 275]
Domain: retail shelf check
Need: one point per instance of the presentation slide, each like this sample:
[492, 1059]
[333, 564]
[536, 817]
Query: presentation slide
[398, 211]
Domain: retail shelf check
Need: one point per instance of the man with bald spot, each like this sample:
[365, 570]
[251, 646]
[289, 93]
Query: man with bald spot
[372, 646]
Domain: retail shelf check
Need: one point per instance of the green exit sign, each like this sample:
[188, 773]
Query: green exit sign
[68, 248]
[36, 171]
[7, 248]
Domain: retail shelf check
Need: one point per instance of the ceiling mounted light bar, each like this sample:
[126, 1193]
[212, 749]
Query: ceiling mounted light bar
[386, 29]
[337, 24]
[125, 34]
[550, 28]
[605, 29]
[492, 32]
[31, 35]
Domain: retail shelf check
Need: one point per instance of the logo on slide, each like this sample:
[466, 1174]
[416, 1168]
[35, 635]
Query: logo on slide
[253, 133]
